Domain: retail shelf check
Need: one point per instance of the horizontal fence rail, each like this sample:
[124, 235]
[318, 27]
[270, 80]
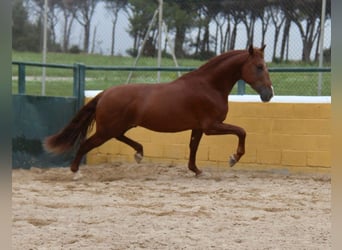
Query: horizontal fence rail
[151, 68]
[79, 73]
[299, 69]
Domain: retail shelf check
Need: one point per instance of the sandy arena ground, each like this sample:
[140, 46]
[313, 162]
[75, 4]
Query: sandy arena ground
[160, 206]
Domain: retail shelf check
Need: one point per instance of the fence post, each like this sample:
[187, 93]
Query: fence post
[79, 83]
[79, 87]
[76, 80]
[21, 78]
[82, 75]
[241, 88]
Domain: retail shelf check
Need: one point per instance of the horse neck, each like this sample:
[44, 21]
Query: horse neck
[222, 72]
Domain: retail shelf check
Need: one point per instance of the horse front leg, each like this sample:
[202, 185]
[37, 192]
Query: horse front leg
[195, 139]
[221, 129]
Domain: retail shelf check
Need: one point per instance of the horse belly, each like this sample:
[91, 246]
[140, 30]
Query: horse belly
[167, 120]
[167, 113]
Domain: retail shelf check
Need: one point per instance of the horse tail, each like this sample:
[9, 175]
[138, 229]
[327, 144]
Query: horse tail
[76, 130]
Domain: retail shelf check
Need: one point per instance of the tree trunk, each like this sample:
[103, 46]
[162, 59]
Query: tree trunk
[227, 37]
[275, 43]
[205, 42]
[198, 40]
[65, 30]
[112, 48]
[179, 41]
[285, 38]
[233, 37]
[68, 22]
[94, 41]
[86, 37]
[216, 39]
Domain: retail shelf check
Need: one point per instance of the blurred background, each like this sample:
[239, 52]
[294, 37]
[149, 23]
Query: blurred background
[171, 33]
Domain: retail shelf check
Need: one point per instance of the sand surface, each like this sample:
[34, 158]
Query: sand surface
[160, 206]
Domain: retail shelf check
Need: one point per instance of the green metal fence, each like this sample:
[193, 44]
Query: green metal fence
[285, 79]
[78, 77]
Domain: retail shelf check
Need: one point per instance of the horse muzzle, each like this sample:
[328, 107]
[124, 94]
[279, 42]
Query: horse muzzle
[266, 94]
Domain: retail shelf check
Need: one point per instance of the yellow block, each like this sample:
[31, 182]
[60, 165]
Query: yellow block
[294, 158]
[269, 156]
[319, 159]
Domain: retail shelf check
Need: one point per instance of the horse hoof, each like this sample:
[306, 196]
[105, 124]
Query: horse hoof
[199, 173]
[77, 176]
[232, 160]
[138, 157]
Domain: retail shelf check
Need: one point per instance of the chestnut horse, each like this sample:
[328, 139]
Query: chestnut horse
[196, 101]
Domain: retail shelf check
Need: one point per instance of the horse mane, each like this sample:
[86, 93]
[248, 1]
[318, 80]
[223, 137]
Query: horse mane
[214, 61]
[218, 59]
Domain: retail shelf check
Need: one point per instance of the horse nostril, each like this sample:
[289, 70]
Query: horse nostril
[266, 99]
[266, 95]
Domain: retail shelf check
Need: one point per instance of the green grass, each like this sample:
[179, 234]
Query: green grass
[284, 83]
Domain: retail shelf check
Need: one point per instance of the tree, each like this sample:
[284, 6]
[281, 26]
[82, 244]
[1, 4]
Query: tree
[84, 14]
[285, 41]
[114, 7]
[278, 19]
[207, 11]
[68, 10]
[24, 33]
[221, 20]
[140, 18]
[180, 16]
[304, 14]
[232, 9]
[37, 10]
[264, 15]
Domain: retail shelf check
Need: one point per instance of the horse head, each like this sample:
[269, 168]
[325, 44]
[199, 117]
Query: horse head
[255, 73]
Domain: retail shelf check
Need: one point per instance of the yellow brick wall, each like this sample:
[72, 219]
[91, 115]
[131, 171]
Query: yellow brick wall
[290, 135]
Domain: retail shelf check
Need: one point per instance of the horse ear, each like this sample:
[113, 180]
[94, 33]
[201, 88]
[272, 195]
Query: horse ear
[263, 47]
[251, 49]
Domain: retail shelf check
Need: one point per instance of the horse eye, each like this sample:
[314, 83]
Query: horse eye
[260, 67]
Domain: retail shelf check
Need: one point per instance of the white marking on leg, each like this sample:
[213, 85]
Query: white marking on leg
[138, 157]
[77, 176]
[232, 160]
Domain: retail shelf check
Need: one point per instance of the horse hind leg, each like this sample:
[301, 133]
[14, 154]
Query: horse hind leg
[92, 142]
[135, 145]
